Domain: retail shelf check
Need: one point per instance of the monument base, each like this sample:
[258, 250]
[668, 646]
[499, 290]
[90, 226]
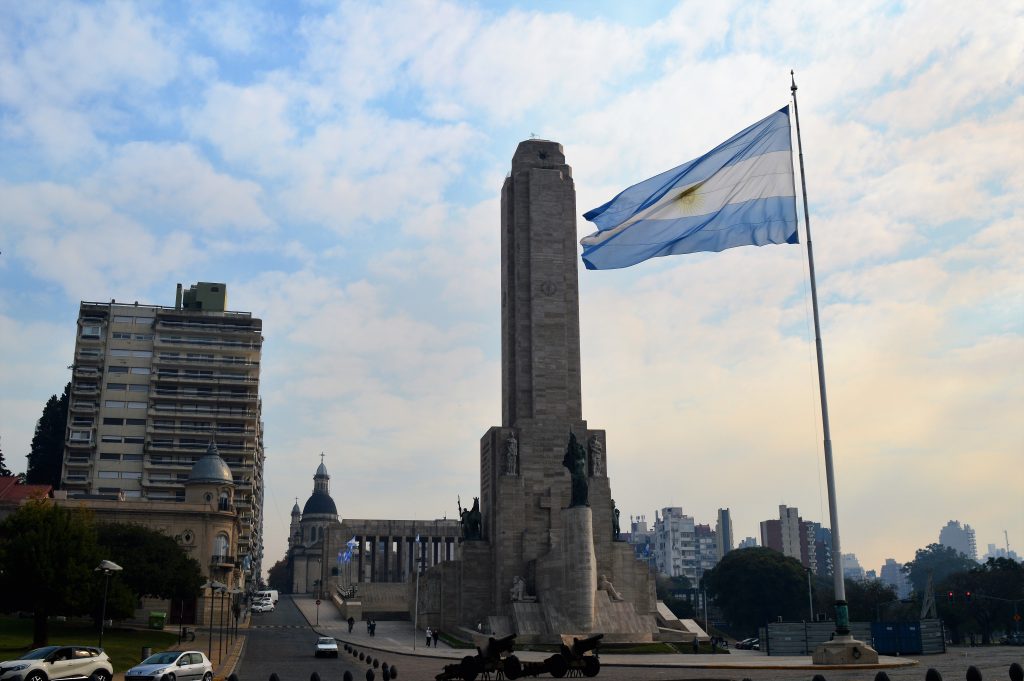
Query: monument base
[844, 650]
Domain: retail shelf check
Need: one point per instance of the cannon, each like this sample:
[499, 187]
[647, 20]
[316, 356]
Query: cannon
[493, 657]
[576, 657]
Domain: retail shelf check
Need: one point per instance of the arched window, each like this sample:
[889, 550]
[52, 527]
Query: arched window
[221, 545]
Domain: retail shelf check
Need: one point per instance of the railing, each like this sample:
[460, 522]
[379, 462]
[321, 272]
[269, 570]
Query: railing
[233, 361]
[177, 394]
[205, 343]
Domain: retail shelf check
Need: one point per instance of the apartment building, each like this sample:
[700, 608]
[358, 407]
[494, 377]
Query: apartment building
[960, 538]
[723, 533]
[152, 387]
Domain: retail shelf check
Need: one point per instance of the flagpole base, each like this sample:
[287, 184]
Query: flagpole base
[844, 650]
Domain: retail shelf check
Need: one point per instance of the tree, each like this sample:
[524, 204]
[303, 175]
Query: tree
[867, 597]
[757, 585]
[4, 471]
[279, 577]
[670, 591]
[47, 455]
[993, 587]
[153, 563]
[48, 554]
[937, 560]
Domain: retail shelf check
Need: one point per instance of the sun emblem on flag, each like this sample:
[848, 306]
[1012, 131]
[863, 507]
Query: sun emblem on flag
[690, 198]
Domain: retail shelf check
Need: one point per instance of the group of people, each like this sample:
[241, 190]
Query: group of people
[371, 627]
[433, 635]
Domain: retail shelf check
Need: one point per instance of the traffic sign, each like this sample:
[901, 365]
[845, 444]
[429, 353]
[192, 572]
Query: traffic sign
[1016, 617]
[318, 601]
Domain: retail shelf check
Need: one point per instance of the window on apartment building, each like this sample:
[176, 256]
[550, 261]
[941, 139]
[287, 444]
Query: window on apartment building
[143, 336]
[130, 475]
[142, 353]
[107, 456]
[138, 388]
[135, 422]
[131, 457]
[140, 370]
[89, 352]
[144, 320]
[107, 475]
[121, 335]
[82, 420]
[117, 370]
[111, 438]
[136, 405]
[81, 435]
[134, 440]
[132, 494]
[117, 386]
[122, 319]
[113, 404]
[109, 490]
[120, 352]
[108, 421]
[90, 331]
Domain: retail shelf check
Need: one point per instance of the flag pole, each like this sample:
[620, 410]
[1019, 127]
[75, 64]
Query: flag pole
[841, 606]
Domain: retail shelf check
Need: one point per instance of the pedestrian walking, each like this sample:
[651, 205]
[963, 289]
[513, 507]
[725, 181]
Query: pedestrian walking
[428, 636]
[351, 623]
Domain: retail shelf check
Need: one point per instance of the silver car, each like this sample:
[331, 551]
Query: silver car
[59, 663]
[326, 646]
[173, 665]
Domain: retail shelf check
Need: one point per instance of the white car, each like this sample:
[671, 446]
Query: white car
[326, 646]
[173, 665]
[262, 606]
[57, 663]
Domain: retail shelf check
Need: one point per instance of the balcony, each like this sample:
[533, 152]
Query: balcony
[222, 561]
[209, 378]
[90, 358]
[166, 394]
[200, 411]
[78, 461]
[80, 444]
[197, 342]
[86, 372]
[85, 407]
[164, 462]
[85, 389]
[205, 326]
[163, 360]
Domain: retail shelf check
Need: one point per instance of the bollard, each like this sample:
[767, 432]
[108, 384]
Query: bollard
[233, 677]
[347, 676]
[384, 673]
[314, 677]
[363, 657]
[375, 663]
[932, 675]
[1016, 672]
[394, 673]
[881, 676]
[369, 675]
[275, 677]
[973, 673]
[817, 677]
[146, 652]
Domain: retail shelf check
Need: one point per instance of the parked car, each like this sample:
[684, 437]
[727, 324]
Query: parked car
[173, 665]
[747, 644]
[54, 663]
[326, 647]
[262, 606]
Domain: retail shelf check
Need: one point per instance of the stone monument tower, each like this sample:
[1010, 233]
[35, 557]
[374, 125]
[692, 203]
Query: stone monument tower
[546, 568]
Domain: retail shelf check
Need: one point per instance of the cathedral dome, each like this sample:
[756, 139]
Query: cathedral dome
[320, 503]
[210, 468]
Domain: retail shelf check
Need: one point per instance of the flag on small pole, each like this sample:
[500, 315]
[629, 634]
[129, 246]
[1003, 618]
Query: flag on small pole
[741, 193]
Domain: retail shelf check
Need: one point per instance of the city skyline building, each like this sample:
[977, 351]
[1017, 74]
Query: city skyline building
[892, 575]
[151, 388]
[958, 537]
[723, 532]
[748, 543]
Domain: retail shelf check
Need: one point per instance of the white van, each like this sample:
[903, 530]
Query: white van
[270, 594]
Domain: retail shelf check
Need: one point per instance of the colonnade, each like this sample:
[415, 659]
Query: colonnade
[394, 559]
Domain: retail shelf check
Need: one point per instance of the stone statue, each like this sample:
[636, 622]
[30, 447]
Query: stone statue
[511, 454]
[472, 521]
[615, 522]
[596, 456]
[518, 590]
[604, 584]
[576, 461]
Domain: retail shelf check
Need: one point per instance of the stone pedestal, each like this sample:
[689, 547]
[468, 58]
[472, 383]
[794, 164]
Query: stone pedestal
[844, 650]
[579, 568]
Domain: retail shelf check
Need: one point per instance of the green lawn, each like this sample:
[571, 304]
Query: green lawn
[123, 646]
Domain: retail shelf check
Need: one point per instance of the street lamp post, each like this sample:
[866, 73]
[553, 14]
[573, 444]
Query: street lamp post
[220, 636]
[212, 586]
[234, 591]
[810, 598]
[107, 568]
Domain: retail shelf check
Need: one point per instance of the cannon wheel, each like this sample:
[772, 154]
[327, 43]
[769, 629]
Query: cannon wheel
[513, 668]
[558, 666]
[591, 666]
[469, 668]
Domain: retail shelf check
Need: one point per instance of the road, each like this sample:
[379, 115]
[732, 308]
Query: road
[282, 641]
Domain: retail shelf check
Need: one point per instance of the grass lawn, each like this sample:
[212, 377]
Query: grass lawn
[123, 646]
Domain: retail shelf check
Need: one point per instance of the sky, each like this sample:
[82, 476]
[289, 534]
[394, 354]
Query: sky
[339, 165]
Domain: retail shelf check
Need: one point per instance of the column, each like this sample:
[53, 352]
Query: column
[362, 549]
[373, 559]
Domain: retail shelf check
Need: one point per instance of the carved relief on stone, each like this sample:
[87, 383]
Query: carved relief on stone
[596, 456]
[511, 455]
[518, 591]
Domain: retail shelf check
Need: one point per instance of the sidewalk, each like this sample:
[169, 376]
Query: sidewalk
[397, 637]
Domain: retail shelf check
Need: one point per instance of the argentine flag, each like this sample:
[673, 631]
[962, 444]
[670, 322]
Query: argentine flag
[741, 193]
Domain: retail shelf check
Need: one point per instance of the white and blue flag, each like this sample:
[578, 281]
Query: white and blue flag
[741, 193]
